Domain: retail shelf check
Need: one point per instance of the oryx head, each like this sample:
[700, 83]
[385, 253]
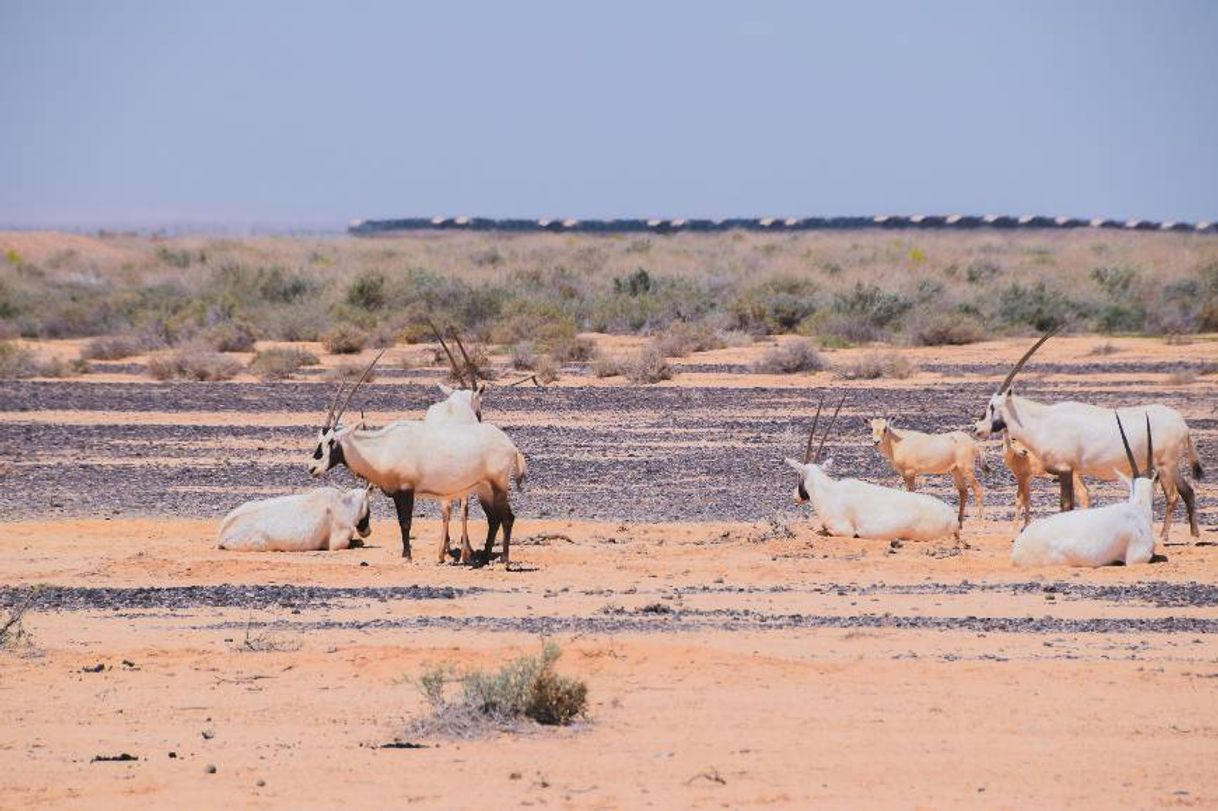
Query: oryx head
[1141, 483]
[329, 451]
[995, 418]
[812, 462]
[469, 398]
[880, 428]
[464, 373]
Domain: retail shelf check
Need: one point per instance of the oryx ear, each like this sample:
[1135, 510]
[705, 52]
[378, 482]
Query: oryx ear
[445, 390]
[1125, 480]
[796, 465]
[481, 389]
[827, 465]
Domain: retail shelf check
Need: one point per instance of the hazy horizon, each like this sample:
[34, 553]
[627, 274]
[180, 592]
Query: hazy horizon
[279, 116]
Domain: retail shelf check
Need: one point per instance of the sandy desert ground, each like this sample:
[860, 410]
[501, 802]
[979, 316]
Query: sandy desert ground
[730, 663]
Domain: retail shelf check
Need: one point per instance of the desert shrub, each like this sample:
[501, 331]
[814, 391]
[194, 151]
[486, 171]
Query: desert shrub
[13, 633]
[980, 271]
[606, 365]
[1106, 348]
[1037, 306]
[280, 362]
[871, 305]
[547, 369]
[348, 372]
[877, 364]
[344, 339]
[1116, 282]
[576, 349]
[636, 284]
[683, 338]
[524, 356]
[193, 362]
[525, 688]
[542, 323]
[841, 330]
[278, 286]
[366, 291]
[790, 358]
[1182, 377]
[113, 347]
[230, 336]
[779, 305]
[17, 361]
[945, 329]
[1120, 318]
[648, 365]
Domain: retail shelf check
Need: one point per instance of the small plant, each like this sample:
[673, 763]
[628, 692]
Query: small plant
[683, 338]
[349, 373]
[573, 349]
[17, 362]
[281, 362]
[12, 628]
[524, 356]
[1182, 377]
[790, 358]
[606, 365]
[546, 369]
[648, 366]
[1104, 349]
[524, 688]
[113, 347]
[344, 339]
[946, 329]
[230, 336]
[264, 641]
[193, 362]
[878, 364]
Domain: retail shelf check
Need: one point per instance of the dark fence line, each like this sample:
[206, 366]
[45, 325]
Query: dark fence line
[765, 224]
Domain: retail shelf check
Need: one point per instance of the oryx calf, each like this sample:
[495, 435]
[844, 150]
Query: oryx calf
[1118, 533]
[325, 518]
[1025, 466]
[859, 509]
[912, 453]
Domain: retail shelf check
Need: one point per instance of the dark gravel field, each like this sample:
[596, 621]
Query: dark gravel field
[651, 454]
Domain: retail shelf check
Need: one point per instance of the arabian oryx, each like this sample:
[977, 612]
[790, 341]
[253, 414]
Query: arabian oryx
[859, 509]
[1075, 438]
[325, 518]
[1118, 533]
[1024, 466]
[912, 453]
[441, 461]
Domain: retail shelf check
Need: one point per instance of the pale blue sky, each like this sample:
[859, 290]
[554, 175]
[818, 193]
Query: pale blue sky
[313, 113]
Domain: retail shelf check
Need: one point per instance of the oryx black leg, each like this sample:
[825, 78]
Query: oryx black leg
[1190, 505]
[492, 526]
[1066, 477]
[508, 518]
[404, 502]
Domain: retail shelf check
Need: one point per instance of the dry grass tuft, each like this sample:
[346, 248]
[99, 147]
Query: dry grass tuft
[527, 688]
[945, 329]
[606, 365]
[648, 366]
[114, 347]
[344, 339]
[1104, 349]
[878, 364]
[791, 358]
[1182, 377]
[278, 363]
[13, 634]
[17, 361]
[193, 362]
[683, 338]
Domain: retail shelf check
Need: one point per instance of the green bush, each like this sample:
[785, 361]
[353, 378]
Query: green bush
[871, 305]
[1037, 306]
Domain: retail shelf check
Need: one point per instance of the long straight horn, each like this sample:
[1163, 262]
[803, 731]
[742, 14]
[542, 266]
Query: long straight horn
[1133, 463]
[1150, 451]
[1006, 384]
[355, 388]
[812, 433]
[832, 420]
[329, 423]
[469, 367]
[451, 360]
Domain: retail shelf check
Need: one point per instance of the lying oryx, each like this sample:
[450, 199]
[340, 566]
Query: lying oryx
[859, 509]
[1074, 438]
[1118, 533]
[912, 453]
[441, 461]
[1025, 466]
[325, 518]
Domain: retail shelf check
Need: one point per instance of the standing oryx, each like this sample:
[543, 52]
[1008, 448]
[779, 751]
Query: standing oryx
[859, 509]
[912, 453]
[1076, 438]
[1025, 467]
[1118, 533]
[439, 461]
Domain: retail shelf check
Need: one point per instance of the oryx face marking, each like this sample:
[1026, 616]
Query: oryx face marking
[993, 422]
[327, 454]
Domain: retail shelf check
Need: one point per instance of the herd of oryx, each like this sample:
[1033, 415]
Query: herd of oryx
[451, 453]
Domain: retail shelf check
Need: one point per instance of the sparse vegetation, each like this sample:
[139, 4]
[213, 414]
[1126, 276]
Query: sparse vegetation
[344, 339]
[194, 362]
[114, 347]
[945, 329]
[683, 338]
[1182, 377]
[13, 634]
[527, 688]
[278, 363]
[1104, 349]
[17, 361]
[793, 357]
[878, 364]
[546, 369]
[606, 365]
[648, 365]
